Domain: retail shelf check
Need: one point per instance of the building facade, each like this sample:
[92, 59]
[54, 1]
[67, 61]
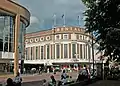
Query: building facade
[58, 46]
[14, 19]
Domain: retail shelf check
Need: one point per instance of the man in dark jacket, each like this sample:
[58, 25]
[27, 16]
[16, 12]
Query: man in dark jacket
[10, 82]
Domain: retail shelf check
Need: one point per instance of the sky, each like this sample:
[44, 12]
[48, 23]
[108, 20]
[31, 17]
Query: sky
[42, 12]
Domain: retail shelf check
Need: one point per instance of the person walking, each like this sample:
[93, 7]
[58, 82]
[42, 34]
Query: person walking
[18, 79]
[10, 82]
[52, 82]
[45, 83]
[64, 77]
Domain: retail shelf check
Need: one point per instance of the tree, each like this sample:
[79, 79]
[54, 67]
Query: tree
[103, 17]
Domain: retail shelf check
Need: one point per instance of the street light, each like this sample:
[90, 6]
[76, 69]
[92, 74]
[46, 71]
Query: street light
[93, 52]
[89, 46]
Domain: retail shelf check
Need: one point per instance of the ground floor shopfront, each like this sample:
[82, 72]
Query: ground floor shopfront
[57, 66]
[5, 65]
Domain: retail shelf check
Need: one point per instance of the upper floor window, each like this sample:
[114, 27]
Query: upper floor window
[65, 36]
[36, 39]
[47, 37]
[57, 36]
[85, 37]
[31, 40]
[26, 41]
[41, 39]
[80, 37]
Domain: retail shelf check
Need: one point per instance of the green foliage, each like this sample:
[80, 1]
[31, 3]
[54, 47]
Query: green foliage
[103, 17]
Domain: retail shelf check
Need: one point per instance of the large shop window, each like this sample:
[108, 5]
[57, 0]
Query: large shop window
[48, 52]
[6, 33]
[81, 51]
[21, 39]
[58, 51]
[37, 57]
[42, 52]
[73, 50]
[31, 53]
[65, 50]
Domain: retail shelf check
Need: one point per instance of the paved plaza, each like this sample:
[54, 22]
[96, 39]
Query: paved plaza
[38, 78]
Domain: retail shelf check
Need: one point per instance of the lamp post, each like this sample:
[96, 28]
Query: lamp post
[89, 53]
[93, 52]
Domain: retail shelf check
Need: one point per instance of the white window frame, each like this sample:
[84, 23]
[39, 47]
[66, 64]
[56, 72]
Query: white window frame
[31, 40]
[41, 38]
[36, 39]
[47, 38]
[64, 36]
[81, 37]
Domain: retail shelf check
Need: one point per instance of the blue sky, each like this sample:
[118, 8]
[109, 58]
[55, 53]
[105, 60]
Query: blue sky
[42, 12]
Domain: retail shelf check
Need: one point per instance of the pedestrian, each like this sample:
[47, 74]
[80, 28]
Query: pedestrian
[45, 83]
[24, 71]
[64, 77]
[59, 83]
[52, 81]
[18, 79]
[10, 82]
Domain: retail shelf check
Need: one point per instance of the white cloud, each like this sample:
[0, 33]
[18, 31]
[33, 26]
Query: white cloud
[45, 9]
[33, 20]
[34, 24]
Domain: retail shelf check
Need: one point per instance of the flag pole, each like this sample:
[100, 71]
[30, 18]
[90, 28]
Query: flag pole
[64, 19]
[54, 21]
[79, 20]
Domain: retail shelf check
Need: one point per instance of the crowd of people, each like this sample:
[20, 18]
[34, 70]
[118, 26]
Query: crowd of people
[65, 78]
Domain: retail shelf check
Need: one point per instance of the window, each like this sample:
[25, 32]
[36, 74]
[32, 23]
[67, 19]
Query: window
[65, 36]
[26, 41]
[7, 34]
[65, 51]
[57, 36]
[81, 51]
[73, 50]
[31, 53]
[48, 52]
[41, 39]
[80, 37]
[42, 52]
[37, 53]
[26, 54]
[84, 51]
[47, 37]
[57, 51]
[36, 39]
[31, 40]
[83, 37]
